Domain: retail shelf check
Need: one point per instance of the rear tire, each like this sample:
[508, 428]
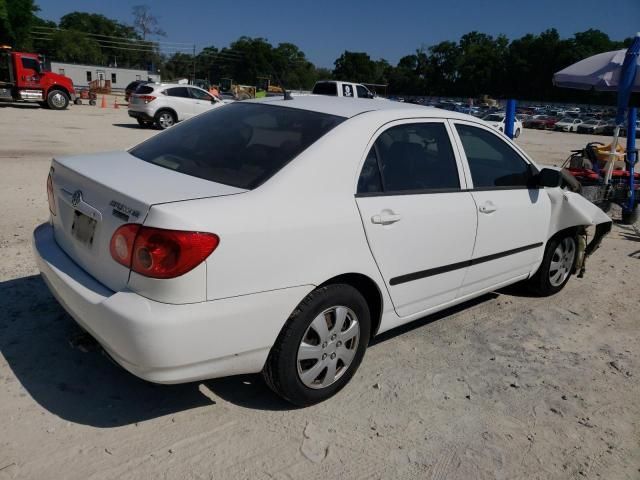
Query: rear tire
[57, 100]
[556, 267]
[164, 119]
[330, 329]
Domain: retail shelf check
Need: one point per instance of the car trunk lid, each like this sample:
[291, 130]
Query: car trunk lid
[96, 194]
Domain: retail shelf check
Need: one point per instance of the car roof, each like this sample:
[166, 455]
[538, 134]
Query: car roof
[350, 107]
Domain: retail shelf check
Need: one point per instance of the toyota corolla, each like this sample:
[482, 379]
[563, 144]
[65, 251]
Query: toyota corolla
[280, 236]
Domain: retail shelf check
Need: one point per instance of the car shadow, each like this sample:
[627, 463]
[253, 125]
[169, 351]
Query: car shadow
[128, 125]
[19, 105]
[63, 369]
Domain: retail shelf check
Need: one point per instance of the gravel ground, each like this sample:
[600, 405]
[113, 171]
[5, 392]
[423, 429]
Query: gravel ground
[505, 387]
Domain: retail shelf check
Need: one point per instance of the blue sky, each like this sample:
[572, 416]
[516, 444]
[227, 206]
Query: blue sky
[384, 29]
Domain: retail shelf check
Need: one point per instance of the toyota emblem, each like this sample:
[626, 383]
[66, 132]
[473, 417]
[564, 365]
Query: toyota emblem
[76, 198]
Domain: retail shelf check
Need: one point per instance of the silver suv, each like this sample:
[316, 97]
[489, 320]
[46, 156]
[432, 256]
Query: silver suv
[164, 104]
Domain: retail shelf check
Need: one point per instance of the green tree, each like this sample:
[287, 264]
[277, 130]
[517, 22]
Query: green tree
[17, 17]
[76, 47]
[355, 67]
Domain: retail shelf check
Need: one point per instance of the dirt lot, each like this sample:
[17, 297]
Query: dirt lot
[506, 387]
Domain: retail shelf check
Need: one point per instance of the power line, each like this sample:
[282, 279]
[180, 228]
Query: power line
[56, 29]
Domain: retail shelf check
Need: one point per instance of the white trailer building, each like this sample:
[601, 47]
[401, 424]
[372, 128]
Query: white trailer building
[82, 75]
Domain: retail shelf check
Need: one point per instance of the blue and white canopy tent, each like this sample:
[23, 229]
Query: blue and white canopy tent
[617, 71]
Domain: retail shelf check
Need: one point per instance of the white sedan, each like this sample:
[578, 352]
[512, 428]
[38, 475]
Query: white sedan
[280, 236]
[496, 120]
[568, 124]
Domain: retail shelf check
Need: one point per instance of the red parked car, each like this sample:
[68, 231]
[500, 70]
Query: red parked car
[543, 122]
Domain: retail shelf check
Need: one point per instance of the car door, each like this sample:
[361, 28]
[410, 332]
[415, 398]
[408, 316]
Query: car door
[180, 100]
[419, 221]
[513, 214]
[29, 77]
[201, 100]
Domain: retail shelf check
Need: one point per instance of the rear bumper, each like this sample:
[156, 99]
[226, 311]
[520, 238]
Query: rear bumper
[161, 342]
[140, 115]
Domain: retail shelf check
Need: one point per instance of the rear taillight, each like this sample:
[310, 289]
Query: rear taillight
[147, 98]
[50, 197]
[159, 253]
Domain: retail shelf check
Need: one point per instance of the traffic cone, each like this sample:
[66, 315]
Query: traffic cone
[104, 102]
[115, 103]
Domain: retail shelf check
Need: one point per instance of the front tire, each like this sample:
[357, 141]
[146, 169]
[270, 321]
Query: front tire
[321, 346]
[57, 100]
[517, 134]
[556, 267]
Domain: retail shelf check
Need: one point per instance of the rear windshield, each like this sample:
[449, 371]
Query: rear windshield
[143, 89]
[242, 144]
[325, 88]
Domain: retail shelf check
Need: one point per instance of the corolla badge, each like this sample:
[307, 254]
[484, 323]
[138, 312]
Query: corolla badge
[76, 198]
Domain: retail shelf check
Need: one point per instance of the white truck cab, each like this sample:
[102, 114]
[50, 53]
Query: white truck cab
[342, 89]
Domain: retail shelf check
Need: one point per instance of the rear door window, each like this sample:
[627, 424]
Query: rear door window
[177, 92]
[347, 90]
[492, 162]
[241, 144]
[415, 157]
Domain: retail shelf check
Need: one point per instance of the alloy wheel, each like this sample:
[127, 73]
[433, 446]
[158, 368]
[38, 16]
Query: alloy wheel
[165, 120]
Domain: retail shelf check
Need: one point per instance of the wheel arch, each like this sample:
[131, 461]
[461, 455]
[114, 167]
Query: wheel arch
[369, 290]
[167, 109]
[59, 87]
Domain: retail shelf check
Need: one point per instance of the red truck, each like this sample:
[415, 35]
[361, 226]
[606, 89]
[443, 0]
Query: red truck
[23, 78]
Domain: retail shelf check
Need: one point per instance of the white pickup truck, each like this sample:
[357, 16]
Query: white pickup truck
[342, 89]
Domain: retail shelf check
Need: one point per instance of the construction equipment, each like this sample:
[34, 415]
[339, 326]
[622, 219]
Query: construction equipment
[262, 88]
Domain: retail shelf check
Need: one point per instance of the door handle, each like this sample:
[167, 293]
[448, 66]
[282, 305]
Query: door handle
[386, 218]
[487, 207]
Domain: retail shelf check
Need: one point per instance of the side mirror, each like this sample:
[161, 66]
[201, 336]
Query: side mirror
[548, 177]
[38, 69]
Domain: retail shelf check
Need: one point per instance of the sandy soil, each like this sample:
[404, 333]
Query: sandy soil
[505, 387]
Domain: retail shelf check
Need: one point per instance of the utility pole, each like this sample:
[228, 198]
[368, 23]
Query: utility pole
[193, 80]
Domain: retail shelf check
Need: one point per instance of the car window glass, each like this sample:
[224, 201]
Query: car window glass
[143, 90]
[493, 163]
[370, 179]
[417, 156]
[325, 88]
[177, 92]
[242, 144]
[347, 90]
[29, 63]
[362, 92]
[200, 95]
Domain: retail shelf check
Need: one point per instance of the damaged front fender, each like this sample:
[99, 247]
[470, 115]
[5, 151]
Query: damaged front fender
[571, 210]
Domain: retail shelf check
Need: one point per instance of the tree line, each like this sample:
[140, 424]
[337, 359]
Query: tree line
[476, 64]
